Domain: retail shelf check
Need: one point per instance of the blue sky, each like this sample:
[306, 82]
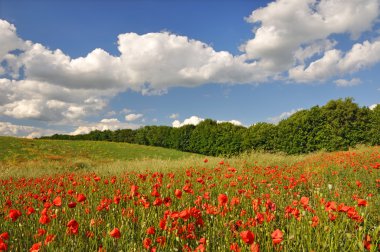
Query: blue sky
[75, 66]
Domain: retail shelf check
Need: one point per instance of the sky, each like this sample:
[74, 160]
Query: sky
[75, 66]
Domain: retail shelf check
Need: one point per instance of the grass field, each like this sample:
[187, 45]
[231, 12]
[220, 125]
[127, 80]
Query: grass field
[95, 196]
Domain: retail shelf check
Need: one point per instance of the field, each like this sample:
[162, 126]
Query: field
[97, 196]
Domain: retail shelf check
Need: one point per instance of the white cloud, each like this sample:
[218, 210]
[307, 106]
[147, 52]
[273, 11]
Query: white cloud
[104, 124]
[234, 122]
[193, 120]
[111, 120]
[373, 106]
[291, 37]
[133, 117]
[9, 129]
[285, 26]
[174, 116]
[335, 62]
[282, 116]
[347, 83]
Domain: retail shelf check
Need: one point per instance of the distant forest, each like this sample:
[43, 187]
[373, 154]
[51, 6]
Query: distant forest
[338, 125]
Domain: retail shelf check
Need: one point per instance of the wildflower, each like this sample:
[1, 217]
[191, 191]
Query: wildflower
[247, 236]
[277, 236]
[14, 214]
[35, 247]
[57, 201]
[72, 227]
[81, 197]
[115, 233]
[49, 238]
[178, 193]
[362, 202]
[151, 230]
[147, 242]
[222, 199]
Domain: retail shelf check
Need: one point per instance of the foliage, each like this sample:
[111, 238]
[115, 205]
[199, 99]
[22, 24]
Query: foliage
[338, 125]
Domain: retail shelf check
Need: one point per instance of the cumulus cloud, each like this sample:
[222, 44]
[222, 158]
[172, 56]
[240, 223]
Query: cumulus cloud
[133, 117]
[282, 116]
[347, 83]
[234, 122]
[9, 129]
[285, 26]
[335, 62]
[193, 120]
[292, 40]
[104, 124]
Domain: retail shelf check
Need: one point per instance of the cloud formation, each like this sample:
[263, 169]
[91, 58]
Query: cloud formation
[292, 40]
[347, 83]
[104, 124]
[133, 117]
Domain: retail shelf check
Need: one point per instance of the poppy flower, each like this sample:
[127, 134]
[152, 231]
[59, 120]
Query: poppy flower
[362, 202]
[4, 236]
[315, 221]
[178, 193]
[3, 246]
[72, 204]
[57, 201]
[35, 247]
[147, 242]
[14, 214]
[115, 233]
[277, 236]
[255, 247]
[247, 236]
[72, 227]
[49, 238]
[81, 197]
[151, 230]
[44, 219]
[222, 199]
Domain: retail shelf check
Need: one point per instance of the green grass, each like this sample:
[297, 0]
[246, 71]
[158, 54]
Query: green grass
[19, 150]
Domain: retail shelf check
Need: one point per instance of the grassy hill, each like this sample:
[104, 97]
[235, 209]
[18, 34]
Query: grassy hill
[27, 157]
[20, 149]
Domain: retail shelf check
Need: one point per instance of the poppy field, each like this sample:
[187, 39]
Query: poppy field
[319, 202]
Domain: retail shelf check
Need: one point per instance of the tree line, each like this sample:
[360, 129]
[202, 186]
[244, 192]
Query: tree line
[338, 125]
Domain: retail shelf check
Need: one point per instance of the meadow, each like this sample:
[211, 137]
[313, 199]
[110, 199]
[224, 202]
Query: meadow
[101, 196]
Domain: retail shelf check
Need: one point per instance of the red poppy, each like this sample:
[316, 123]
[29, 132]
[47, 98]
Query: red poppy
[115, 233]
[57, 201]
[3, 246]
[277, 236]
[35, 247]
[72, 204]
[178, 193]
[49, 238]
[255, 247]
[362, 202]
[14, 214]
[4, 236]
[81, 197]
[234, 247]
[72, 227]
[147, 242]
[222, 199]
[151, 230]
[44, 219]
[247, 236]
[315, 221]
